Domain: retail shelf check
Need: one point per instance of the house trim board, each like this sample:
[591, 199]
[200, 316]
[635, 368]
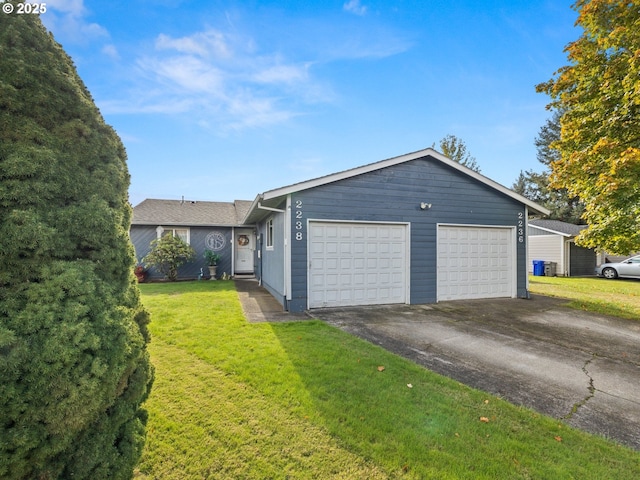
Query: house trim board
[279, 192]
[553, 232]
[274, 198]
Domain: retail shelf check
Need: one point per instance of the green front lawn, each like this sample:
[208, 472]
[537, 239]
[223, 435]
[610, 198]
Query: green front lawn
[304, 400]
[620, 297]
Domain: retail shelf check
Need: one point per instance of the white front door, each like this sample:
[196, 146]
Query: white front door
[245, 245]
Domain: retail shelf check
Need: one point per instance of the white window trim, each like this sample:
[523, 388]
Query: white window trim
[160, 231]
[269, 233]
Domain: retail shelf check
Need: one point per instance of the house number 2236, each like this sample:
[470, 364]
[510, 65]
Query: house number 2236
[520, 227]
[298, 215]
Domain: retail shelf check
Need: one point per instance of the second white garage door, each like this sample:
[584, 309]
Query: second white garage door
[475, 262]
[357, 264]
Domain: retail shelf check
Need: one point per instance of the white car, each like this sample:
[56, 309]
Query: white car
[629, 268]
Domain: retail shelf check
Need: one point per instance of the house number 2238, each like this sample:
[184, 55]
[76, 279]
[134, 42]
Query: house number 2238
[298, 214]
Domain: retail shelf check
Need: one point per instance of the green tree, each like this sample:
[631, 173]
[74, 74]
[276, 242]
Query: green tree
[454, 148]
[167, 254]
[599, 146]
[74, 367]
[548, 134]
[536, 186]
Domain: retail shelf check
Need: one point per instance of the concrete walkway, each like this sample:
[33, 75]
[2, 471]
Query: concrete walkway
[259, 305]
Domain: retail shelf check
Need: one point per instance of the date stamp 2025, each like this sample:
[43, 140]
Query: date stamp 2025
[24, 8]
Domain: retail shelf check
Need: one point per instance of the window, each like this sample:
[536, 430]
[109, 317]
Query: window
[270, 233]
[183, 233]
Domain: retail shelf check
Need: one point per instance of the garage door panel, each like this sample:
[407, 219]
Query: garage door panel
[475, 262]
[370, 260]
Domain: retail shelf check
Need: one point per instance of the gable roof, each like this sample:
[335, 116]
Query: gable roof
[272, 197]
[558, 227]
[189, 213]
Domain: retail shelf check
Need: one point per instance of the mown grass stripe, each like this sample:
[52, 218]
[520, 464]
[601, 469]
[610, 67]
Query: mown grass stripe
[313, 399]
[207, 424]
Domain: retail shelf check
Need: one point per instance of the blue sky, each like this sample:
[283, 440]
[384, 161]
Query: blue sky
[222, 100]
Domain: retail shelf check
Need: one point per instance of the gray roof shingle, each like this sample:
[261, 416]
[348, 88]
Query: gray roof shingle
[558, 226]
[189, 213]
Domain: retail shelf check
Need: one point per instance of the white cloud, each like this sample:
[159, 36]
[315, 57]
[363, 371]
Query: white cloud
[186, 74]
[111, 51]
[225, 79]
[223, 75]
[204, 44]
[67, 18]
[72, 7]
[220, 81]
[353, 6]
[250, 111]
[287, 74]
[147, 102]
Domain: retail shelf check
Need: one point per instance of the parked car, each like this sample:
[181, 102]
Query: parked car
[629, 268]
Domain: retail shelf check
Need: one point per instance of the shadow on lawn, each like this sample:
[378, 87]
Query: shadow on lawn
[381, 405]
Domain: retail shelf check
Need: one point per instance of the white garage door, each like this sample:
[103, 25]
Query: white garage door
[475, 262]
[357, 264]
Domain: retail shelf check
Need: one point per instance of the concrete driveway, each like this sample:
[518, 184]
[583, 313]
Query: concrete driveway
[578, 367]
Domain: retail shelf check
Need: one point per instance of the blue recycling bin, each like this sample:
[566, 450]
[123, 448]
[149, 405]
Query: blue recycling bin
[538, 268]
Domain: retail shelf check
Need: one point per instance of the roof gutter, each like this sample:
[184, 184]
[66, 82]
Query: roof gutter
[271, 209]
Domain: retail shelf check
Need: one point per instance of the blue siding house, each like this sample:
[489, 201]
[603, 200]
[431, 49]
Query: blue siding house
[418, 228]
[214, 226]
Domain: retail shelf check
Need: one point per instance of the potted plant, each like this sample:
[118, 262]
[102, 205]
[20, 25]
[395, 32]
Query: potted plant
[140, 272]
[212, 259]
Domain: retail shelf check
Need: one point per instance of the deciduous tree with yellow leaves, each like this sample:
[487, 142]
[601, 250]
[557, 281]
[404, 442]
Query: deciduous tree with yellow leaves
[599, 146]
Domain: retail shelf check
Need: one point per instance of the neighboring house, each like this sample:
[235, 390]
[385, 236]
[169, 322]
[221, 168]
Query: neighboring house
[554, 241]
[418, 228]
[203, 225]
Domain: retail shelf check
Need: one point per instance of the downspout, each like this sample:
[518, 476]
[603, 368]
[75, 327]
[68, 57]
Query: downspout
[287, 253]
[233, 251]
[260, 254]
[526, 252]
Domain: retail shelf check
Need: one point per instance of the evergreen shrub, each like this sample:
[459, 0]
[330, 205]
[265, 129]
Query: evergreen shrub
[74, 367]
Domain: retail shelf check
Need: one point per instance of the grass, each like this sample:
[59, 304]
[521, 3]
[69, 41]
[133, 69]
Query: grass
[619, 297]
[304, 400]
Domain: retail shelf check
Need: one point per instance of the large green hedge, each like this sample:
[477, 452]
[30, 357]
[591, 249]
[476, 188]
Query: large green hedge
[74, 368]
